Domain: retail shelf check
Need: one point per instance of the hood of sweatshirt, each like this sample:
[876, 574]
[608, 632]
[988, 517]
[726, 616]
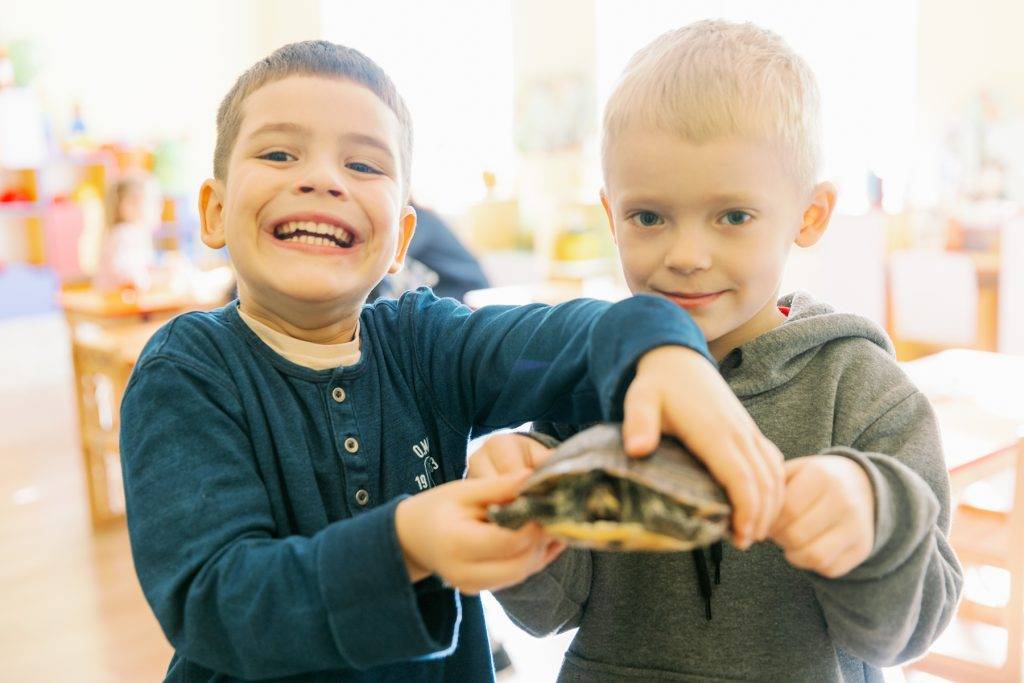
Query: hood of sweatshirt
[777, 356]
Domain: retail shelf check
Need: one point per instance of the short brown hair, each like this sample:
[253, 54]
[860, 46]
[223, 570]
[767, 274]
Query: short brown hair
[314, 58]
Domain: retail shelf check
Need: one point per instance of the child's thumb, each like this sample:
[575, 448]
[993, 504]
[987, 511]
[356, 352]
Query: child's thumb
[497, 489]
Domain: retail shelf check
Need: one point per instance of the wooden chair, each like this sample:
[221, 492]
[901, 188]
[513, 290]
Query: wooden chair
[107, 333]
[933, 302]
[103, 359]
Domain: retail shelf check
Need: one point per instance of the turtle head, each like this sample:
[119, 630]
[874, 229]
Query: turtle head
[601, 502]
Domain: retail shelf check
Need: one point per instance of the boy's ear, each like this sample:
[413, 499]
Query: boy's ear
[608, 213]
[211, 213]
[817, 215]
[406, 228]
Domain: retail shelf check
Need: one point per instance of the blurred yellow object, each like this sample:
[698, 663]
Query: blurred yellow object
[577, 245]
[493, 223]
[94, 217]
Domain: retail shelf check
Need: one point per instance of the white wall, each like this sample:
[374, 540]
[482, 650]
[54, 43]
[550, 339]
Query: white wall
[147, 70]
[964, 48]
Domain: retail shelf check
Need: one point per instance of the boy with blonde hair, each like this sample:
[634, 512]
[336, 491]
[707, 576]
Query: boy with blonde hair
[271, 448]
[711, 145]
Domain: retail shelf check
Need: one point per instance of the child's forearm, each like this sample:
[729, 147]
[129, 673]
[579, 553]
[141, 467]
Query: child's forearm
[896, 603]
[892, 607]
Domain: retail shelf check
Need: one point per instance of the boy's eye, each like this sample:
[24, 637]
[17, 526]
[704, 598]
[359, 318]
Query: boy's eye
[647, 219]
[277, 156]
[737, 218]
[360, 167]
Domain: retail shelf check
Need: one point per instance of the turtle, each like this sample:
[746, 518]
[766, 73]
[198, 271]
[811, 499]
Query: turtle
[593, 495]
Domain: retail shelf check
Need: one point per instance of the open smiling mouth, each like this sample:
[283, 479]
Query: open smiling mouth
[317, 234]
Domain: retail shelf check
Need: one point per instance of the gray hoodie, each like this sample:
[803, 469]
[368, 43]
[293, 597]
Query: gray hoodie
[822, 382]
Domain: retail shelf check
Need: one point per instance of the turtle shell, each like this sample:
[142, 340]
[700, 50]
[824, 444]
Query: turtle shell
[592, 494]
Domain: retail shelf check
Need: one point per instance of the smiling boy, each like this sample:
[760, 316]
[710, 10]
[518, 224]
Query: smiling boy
[711, 142]
[271, 448]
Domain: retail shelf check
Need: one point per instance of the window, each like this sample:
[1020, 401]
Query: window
[452, 62]
[863, 54]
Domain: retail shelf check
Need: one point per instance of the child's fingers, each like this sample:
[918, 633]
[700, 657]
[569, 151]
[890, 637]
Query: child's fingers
[535, 453]
[764, 481]
[769, 463]
[496, 489]
[480, 465]
[847, 560]
[733, 471]
[821, 552]
[515, 452]
[496, 574]
[803, 529]
[492, 542]
[777, 462]
[803, 491]
[641, 424]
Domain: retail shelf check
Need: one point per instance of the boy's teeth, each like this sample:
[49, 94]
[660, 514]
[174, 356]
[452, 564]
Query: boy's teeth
[310, 231]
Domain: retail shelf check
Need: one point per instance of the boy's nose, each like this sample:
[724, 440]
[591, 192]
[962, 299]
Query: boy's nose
[334, 192]
[688, 253]
[323, 180]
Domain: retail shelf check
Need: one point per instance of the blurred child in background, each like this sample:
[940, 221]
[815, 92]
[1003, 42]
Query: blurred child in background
[128, 257]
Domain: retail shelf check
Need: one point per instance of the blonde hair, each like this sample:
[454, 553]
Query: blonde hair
[313, 58]
[715, 78]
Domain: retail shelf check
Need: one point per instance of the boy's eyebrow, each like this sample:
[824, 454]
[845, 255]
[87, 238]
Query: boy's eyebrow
[734, 198]
[283, 127]
[370, 140]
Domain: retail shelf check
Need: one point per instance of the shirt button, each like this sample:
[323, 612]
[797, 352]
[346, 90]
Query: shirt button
[338, 394]
[351, 445]
[362, 497]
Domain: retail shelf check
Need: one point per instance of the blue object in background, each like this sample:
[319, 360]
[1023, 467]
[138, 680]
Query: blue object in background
[27, 290]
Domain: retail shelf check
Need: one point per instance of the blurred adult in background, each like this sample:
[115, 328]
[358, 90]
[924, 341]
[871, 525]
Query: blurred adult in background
[436, 259]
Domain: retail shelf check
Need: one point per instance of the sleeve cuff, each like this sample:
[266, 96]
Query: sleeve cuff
[376, 615]
[649, 322]
[906, 511]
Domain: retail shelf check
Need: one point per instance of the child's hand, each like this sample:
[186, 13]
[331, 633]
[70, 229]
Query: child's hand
[678, 392]
[506, 454]
[827, 524]
[445, 531]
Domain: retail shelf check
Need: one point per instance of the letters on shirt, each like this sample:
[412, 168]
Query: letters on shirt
[422, 451]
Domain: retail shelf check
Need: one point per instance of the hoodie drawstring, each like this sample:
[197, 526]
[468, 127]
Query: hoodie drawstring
[716, 558]
[703, 581]
[700, 563]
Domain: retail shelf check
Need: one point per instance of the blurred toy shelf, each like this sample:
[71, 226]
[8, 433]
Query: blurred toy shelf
[53, 218]
[55, 182]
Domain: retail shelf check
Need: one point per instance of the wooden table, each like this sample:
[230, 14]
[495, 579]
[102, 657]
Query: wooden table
[978, 399]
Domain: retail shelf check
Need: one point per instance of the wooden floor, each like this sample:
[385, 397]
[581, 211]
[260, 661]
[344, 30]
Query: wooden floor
[70, 605]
